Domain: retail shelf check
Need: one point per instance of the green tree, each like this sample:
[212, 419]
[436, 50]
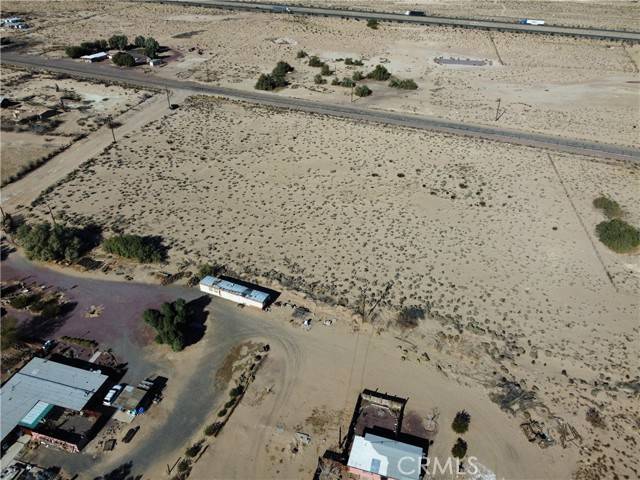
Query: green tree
[75, 51]
[140, 41]
[119, 42]
[301, 54]
[461, 422]
[610, 207]
[151, 47]
[362, 91]
[281, 69]
[325, 70]
[9, 335]
[372, 23]
[142, 249]
[314, 61]
[379, 73]
[123, 60]
[357, 76]
[319, 79]
[459, 450]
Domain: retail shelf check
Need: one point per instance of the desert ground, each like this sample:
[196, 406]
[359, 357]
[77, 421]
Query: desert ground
[496, 242]
[80, 108]
[576, 88]
[528, 317]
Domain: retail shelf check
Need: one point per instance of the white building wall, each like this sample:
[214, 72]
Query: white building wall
[231, 296]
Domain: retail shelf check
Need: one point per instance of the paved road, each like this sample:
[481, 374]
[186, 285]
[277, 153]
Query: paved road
[627, 36]
[106, 72]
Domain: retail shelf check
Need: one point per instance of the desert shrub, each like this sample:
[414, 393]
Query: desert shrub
[357, 76]
[222, 412]
[594, 418]
[347, 82]
[75, 51]
[212, 429]
[184, 466]
[50, 243]
[459, 450]
[170, 323]
[236, 391]
[325, 70]
[118, 42]
[461, 422]
[618, 235]
[281, 69]
[21, 302]
[9, 335]
[301, 54]
[362, 91]
[373, 23]
[409, 317]
[335, 81]
[314, 61]
[270, 82]
[610, 207]
[123, 60]
[193, 450]
[151, 47]
[319, 79]
[351, 61]
[142, 249]
[379, 73]
[208, 269]
[407, 84]
[139, 41]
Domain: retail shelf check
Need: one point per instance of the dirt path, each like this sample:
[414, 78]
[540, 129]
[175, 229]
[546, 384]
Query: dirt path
[25, 190]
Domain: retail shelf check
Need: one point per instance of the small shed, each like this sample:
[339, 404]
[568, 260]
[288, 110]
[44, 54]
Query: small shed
[155, 62]
[130, 399]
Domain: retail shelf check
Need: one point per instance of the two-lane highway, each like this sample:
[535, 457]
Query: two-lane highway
[596, 33]
[103, 72]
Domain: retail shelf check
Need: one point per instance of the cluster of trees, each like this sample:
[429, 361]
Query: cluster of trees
[170, 323]
[460, 425]
[116, 42]
[275, 79]
[351, 61]
[142, 249]
[86, 48]
[51, 243]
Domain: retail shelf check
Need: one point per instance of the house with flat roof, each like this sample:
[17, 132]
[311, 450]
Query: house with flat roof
[42, 387]
[376, 457]
[235, 291]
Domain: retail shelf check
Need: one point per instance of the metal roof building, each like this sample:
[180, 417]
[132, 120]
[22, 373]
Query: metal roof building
[24, 398]
[234, 291]
[379, 457]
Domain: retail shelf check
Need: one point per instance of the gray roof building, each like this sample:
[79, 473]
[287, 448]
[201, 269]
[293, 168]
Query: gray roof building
[385, 457]
[41, 382]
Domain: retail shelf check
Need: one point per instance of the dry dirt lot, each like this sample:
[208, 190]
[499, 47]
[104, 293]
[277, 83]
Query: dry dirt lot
[496, 242]
[80, 108]
[571, 87]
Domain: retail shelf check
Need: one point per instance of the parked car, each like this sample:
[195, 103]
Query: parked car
[111, 395]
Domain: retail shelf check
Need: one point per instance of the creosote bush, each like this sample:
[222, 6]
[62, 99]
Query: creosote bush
[459, 450]
[610, 207]
[407, 84]
[379, 73]
[618, 235]
[362, 91]
[301, 54]
[314, 61]
[319, 79]
[373, 23]
[357, 76]
[325, 70]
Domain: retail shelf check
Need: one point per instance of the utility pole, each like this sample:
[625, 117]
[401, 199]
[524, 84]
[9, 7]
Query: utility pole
[51, 213]
[109, 121]
[498, 112]
[168, 98]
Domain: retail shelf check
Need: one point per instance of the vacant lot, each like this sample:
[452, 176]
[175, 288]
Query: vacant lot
[49, 112]
[571, 87]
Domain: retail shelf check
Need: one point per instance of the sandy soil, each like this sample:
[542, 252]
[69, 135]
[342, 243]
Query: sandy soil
[496, 241]
[571, 87]
[82, 108]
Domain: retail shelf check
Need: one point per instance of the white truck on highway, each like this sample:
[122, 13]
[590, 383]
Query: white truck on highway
[529, 21]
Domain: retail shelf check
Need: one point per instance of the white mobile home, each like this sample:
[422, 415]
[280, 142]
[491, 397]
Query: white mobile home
[234, 291]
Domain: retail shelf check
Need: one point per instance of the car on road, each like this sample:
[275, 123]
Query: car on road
[112, 394]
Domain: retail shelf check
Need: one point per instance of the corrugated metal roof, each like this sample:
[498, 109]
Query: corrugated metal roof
[385, 457]
[45, 381]
[95, 56]
[236, 288]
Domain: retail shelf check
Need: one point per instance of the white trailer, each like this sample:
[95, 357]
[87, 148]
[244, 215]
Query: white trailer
[529, 21]
[234, 291]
